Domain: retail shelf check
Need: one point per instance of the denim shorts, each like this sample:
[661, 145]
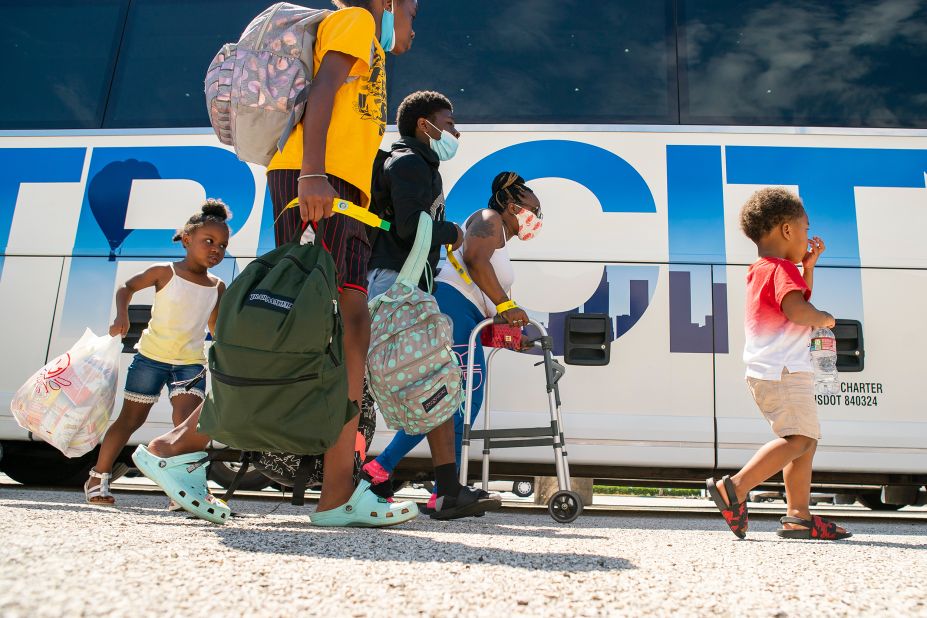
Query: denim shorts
[379, 280]
[147, 378]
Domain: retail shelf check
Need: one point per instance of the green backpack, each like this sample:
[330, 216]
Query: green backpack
[279, 382]
[412, 371]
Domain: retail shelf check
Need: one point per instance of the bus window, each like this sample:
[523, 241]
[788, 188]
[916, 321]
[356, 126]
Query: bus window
[167, 46]
[544, 61]
[59, 62]
[809, 63]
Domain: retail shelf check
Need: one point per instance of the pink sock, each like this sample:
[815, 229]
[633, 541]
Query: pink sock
[376, 472]
[432, 502]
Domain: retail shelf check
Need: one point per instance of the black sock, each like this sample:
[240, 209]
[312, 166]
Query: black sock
[446, 480]
[383, 490]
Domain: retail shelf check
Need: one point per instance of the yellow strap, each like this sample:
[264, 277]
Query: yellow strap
[457, 266]
[344, 207]
[503, 307]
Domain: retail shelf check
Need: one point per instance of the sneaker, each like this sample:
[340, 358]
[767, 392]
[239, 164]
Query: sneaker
[468, 502]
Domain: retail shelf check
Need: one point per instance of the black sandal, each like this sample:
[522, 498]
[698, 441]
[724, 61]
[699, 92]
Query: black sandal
[816, 528]
[470, 502]
[734, 513]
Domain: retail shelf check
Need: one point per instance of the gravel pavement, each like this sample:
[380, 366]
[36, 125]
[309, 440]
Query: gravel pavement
[62, 557]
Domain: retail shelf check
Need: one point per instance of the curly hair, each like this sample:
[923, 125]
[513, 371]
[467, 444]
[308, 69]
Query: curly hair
[507, 187]
[768, 208]
[212, 211]
[421, 104]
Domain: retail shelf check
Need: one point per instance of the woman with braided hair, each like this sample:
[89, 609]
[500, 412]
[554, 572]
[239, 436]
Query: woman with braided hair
[514, 211]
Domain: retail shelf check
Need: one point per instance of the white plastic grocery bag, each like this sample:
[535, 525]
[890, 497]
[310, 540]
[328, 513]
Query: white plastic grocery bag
[68, 402]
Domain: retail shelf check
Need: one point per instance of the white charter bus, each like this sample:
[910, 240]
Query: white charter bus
[642, 125]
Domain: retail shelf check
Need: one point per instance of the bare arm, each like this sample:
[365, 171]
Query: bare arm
[807, 274]
[481, 241]
[816, 248]
[155, 276]
[800, 311]
[215, 310]
[316, 194]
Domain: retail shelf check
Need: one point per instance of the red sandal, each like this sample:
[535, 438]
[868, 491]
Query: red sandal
[734, 513]
[816, 528]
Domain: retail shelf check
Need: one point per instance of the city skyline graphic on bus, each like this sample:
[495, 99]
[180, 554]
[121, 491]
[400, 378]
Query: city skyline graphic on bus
[698, 307]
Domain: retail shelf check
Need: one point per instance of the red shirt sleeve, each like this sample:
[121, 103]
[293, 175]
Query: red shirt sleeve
[786, 278]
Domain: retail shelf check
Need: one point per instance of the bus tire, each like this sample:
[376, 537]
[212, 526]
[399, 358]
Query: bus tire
[223, 472]
[37, 463]
[873, 501]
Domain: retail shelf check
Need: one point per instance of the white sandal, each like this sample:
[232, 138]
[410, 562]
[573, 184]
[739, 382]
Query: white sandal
[99, 494]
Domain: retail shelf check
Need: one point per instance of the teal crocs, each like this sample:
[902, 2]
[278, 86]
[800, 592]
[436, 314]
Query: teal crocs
[184, 482]
[365, 509]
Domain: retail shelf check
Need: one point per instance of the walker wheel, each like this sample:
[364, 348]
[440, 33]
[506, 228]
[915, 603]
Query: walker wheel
[565, 506]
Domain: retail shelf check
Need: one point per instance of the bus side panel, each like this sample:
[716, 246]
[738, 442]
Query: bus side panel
[876, 424]
[28, 288]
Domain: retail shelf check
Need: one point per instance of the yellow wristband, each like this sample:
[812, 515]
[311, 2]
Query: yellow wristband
[503, 307]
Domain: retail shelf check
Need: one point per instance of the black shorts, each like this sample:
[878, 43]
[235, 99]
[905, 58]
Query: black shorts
[345, 238]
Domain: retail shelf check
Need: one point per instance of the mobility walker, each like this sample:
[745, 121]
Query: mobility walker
[565, 505]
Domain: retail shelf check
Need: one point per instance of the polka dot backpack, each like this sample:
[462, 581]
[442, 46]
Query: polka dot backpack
[412, 371]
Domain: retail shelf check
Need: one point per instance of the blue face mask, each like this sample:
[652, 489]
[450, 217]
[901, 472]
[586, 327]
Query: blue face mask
[446, 147]
[388, 31]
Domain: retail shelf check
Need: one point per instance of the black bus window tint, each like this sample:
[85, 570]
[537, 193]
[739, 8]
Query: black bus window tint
[167, 47]
[544, 61]
[59, 61]
[803, 62]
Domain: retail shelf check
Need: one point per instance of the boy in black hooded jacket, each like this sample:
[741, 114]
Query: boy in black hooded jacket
[408, 183]
[405, 185]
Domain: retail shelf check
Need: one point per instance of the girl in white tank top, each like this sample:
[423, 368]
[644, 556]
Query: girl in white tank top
[171, 349]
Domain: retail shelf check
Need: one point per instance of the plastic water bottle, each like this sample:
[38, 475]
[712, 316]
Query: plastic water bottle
[824, 359]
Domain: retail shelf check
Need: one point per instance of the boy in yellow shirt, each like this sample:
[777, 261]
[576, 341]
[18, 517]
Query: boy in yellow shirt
[330, 155]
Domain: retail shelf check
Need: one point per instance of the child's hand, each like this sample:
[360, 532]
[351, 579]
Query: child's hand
[120, 326]
[827, 320]
[815, 249]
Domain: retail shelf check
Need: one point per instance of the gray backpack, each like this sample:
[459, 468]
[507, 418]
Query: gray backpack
[412, 371]
[256, 90]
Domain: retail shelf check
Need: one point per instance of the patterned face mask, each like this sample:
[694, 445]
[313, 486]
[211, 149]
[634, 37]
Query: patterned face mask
[529, 224]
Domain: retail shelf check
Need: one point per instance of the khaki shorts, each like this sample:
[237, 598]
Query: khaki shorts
[788, 404]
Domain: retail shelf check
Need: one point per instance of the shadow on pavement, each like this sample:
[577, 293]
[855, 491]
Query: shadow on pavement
[389, 545]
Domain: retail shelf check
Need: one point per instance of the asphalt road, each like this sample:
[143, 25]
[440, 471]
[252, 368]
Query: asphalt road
[65, 558]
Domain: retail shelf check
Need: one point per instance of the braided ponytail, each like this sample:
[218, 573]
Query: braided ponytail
[507, 187]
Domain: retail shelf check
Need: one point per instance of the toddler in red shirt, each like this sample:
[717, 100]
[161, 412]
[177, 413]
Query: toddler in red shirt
[780, 376]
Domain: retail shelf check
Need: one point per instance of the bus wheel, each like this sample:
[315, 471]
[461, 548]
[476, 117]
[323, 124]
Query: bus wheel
[37, 463]
[223, 473]
[874, 502]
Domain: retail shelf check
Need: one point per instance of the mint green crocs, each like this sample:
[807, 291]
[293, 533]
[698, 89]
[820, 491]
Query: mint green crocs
[365, 509]
[185, 486]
